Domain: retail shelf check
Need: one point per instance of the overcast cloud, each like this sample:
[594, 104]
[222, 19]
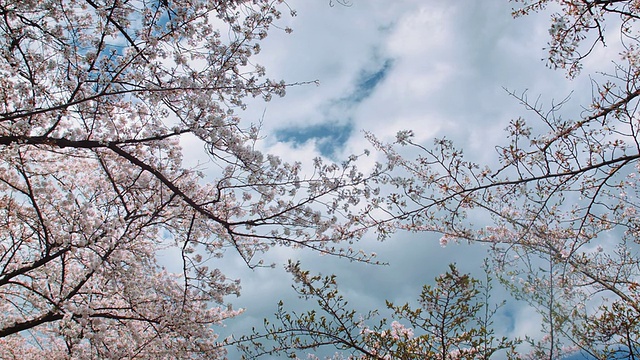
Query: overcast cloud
[436, 67]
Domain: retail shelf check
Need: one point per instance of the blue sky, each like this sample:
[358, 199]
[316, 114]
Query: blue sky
[337, 125]
[439, 68]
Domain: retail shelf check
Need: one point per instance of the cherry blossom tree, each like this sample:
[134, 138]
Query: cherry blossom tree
[453, 320]
[560, 207]
[95, 96]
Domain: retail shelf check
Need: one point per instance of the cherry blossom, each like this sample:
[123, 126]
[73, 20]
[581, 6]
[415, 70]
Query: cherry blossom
[94, 99]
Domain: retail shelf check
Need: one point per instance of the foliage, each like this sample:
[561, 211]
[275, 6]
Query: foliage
[95, 96]
[453, 321]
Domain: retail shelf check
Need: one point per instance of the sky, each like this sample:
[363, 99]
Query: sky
[439, 68]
